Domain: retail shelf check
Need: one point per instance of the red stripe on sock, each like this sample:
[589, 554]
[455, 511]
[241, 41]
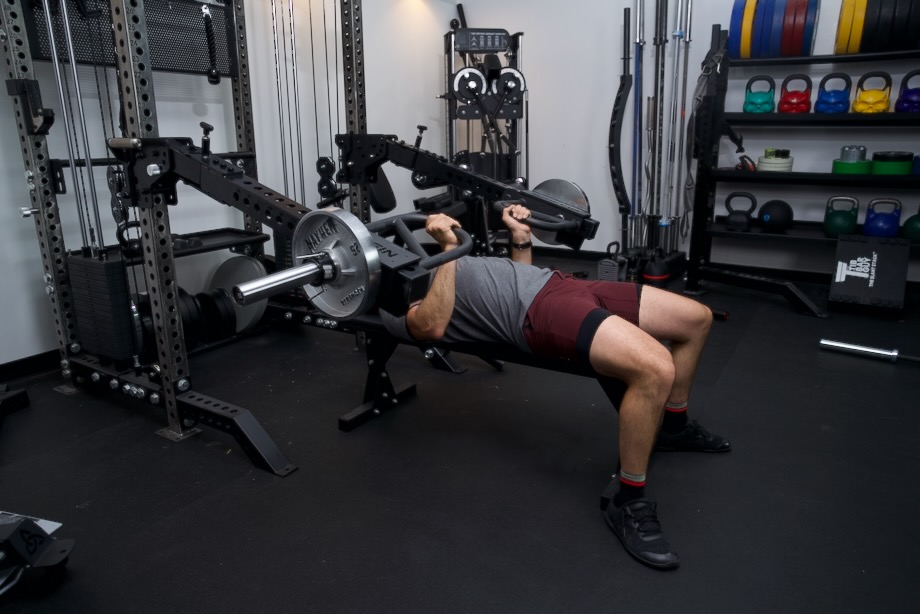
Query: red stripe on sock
[631, 483]
[676, 410]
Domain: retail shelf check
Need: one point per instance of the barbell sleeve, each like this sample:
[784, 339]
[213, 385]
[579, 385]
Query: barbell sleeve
[276, 283]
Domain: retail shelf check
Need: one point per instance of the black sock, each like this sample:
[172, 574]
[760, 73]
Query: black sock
[675, 417]
[632, 487]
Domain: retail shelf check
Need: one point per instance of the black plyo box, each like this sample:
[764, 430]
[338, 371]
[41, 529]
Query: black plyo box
[870, 271]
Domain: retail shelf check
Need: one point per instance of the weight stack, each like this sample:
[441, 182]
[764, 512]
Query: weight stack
[870, 273]
[102, 306]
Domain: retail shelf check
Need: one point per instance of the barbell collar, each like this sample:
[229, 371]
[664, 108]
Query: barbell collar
[288, 279]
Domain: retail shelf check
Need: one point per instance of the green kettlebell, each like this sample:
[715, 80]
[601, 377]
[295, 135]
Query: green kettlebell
[911, 227]
[760, 101]
[840, 221]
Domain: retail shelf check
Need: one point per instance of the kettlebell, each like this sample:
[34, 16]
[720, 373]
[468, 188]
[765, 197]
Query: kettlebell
[614, 266]
[775, 216]
[834, 101]
[795, 101]
[739, 220]
[908, 98]
[911, 227]
[882, 223]
[760, 101]
[840, 221]
[874, 100]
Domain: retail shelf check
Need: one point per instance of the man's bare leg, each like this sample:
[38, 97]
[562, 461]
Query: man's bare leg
[684, 323]
[622, 350]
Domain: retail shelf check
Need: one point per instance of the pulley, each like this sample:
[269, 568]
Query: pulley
[510, 84]
[469, 85]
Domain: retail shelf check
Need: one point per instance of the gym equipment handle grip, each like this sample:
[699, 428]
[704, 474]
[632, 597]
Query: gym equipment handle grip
[537, 219]
[404, 224]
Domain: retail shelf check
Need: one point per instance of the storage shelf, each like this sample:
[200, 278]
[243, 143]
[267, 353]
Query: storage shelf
[906, 182]
[801, 231]
[708, 229]
[807, 232]
[881, 57]
[825, 120]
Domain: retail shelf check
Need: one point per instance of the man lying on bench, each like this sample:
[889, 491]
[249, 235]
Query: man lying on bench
[617, 328]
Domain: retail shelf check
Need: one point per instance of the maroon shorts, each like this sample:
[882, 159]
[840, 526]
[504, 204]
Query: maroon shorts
[566, 313]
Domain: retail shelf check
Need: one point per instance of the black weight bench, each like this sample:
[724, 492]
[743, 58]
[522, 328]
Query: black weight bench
[380, 395]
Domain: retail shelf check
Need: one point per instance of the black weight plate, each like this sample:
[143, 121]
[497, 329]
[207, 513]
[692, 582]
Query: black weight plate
[899, 25]
[893, 156]
[885, 23]
[870, 36]
[913, 28]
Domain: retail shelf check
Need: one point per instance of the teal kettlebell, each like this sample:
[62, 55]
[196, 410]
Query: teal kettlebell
[840, 221]
[883, 223]
[911, 227]
[760, 101]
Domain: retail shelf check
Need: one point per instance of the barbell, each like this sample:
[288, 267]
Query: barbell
[337, 261]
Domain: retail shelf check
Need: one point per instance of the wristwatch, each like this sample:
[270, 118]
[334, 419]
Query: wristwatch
[522, 246]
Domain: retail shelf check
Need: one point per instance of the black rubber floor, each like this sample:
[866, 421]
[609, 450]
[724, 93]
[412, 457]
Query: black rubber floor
[482, 494]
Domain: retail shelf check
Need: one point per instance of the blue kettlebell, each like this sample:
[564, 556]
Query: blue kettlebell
[883, 223]
[834, 101]
[760, 101]
[908, 98]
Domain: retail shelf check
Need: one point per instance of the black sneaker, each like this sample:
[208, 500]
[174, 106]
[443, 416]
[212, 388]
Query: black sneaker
[636, 524]
[694, 438]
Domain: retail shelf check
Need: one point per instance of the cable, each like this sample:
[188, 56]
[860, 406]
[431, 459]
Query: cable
[328, 86]
[303, 195]
[284, 172]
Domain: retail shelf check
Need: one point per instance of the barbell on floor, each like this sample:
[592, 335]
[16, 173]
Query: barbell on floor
[863, 350]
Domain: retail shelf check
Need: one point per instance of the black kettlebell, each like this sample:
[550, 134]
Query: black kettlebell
[775, 216]
[739, 220]
[840, 221]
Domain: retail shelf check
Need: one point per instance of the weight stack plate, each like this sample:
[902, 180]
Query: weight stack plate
[102, 305]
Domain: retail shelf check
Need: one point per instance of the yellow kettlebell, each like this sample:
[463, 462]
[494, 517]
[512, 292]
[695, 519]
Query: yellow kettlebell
[874, 100]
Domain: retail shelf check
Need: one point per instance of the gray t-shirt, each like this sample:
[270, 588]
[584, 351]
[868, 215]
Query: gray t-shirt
[492, 299]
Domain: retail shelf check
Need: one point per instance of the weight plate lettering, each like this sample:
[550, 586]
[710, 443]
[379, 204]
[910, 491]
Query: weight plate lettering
[351, 287]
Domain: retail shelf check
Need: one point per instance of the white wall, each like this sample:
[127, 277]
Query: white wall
[572, 64]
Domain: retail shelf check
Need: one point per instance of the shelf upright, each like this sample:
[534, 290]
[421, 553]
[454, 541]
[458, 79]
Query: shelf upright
[33, 122]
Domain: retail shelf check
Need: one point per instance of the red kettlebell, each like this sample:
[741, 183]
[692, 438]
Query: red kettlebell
[795, 101]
